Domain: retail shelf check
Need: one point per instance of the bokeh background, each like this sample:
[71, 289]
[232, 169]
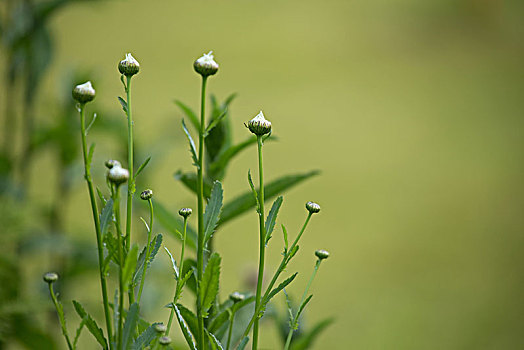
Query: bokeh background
[412, 110]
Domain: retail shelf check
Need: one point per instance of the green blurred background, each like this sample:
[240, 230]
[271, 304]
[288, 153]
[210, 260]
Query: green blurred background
[413, 111]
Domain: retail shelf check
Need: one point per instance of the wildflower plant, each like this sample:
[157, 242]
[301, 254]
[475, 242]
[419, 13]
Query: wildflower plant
[211, 323]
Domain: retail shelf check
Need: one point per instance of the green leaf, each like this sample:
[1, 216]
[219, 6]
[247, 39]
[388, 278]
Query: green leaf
[286, 244]
[129, 266]
[219, 320]
[111, 245]
[78, 332]
[223, 158]
[91, 325]
[90, 124]
[246, 201]
[243, 343]
[255, 193]
[190, 114]
[174, 224]
[214, 341]
[173, 263]
[185, 330]
[289, 309]
[141, 167]
[145, 338]
[241, 304]
[215, 122]
[189, 180]
[192, 147]
[154, 246]
[305, 340]
[272, 217]
[101, 196]
[90, 155]
[123, 103]
[189, 317]
[129, 325]
[302, 306]
[209, 283]
[213, 209]
[281, 286]
[106, 216]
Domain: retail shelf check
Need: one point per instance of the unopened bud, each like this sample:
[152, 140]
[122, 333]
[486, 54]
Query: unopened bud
[84, 93]
[312, 207]
[185, 212]
[50, 277]
[147, 194]
[160, 328]
[112, 163]
[129, 66]
[164, 341]
[322, 254]
[236, 297]
[118, 175]
[206, 65]
[259, 125]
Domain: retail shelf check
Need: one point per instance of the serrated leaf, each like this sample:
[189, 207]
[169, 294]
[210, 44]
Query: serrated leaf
[210, 280]
[129, 267]
[154, 246]
[173, 263]
[281, 286]
[215, 122]
[185, 330]
[189, 317]
[243, 343]
[123, 103]
[145, 338]
[185, 278]
[106, 217]
[190, 114]
[303, 305]
[173, 224]
[192, 147]
[142, 166]
[213, 209]
[246, 201]
[272, 217]
[129, 325]
[286, 244]
[214, 341]
[223, 158]
[255, 193]
[189, 180]
[91, 325]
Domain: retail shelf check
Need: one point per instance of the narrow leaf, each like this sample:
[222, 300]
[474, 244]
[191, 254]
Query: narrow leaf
[129, 325]
[303, 305]
[90, 154]
[190, 114]
[305, 341]
[190, 181]
[185, 330]
[223, 158]
[255, 193]
[243, 343]
[145, 338]
[214, 341]
[272, 217]
[210, 281]
[154, 246]
[129, 266]
[189, 317]
[142, 166]
[101, 196]
[280, 287]
[218, 321]
[90, 124]
[213, 209]
[78, 332]
[123, 104]
[173, 263]
[192, 147]
[91, 324]
[106, 216]
[286, 244]
[173, 224]
[215, 122]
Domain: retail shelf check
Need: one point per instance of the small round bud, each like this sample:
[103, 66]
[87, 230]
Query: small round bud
[118, 175]
[84, 93]
[50, 277]
[206, 65]
[185, 212]
[312, 207]
[160, 328]
[259, 125]
[146, 195]
[112, 163]
[164, 341]
[322, 254]
[129, 66]
[236, 297]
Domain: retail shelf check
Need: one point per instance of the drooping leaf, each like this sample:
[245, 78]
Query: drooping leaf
[106, 216]
[192, 147]
[174, 224]
[190, 114]
[142, 166]
[145, 338]
[223, 158]
[210, 280]
[129, 266]
[91, 325]
[123, 103]
[272, 217]
[129, 325]
[246, 201]
[190, 181]
[213, 209]
[185, 330]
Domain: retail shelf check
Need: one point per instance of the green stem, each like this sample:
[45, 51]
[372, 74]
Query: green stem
[148, 250]
[200, 196]
[230, 329]
[262, 243]
[116, 203]
[295, 319]
[60, 312]
[103, 283]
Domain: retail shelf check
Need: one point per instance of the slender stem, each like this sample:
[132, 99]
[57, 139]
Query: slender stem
[262, 243]
[148, 251]
[60, 312]
[200, 195]
[131, 181]
[230, 329]
[295, 319]
[116, 203]
[103, 283]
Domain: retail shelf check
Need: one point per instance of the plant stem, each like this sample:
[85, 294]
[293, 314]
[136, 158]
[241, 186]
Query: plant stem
[148, 249]
[200, 196]
[116, 203]
[262, 243]
[60, 312]
[178, 289]
[295, 319]
[87, 175]
[230, 329]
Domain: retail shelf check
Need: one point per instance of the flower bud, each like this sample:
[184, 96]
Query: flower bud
[112, 163]
[128, 66]
[185, 212]
[259, 125]
[50, 277]
[118, 175]
[146, 195]
[322, 254]
[312, 207]
[164, 341]
[160, 328]
[206, 65]
[236, 297]
[84, 93]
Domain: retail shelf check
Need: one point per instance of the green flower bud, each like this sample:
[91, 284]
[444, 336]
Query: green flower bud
[259, 125]
[312, 207]
[185, 212]
[206, 65]
[118, 175]
[147, 194]
[84, 93]
[160, 328]
[322, 254]
[50, 277]
[164, 341]
[236, 297]
[112, 163]
[128, 66]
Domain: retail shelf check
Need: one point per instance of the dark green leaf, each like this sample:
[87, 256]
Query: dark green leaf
[129, 266]
[215, 122]
[173, 224]
[243, 343]
[241, 304]
[192, 147]
[190, 114]
[209, 283]
[185, 330]
[91, 325]
[272, 217]
[218, 321]
[141, 167]
[145, 338]
[190, 181]
[189, 317]
[129, 325]
[214, 341]
[223, 158]
[123, 103]
[101, 196]
[213, 209]
[106, 216]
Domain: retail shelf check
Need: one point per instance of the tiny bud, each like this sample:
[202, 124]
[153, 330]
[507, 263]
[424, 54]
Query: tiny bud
[160, 328]
[118, 175]
[112, 163]
[50, 277]
[84, 93]
[236, 297]
[206, 65]
[312, 207]
[129, 66]
[164, 341]
[185, 212]
[147, 194]
[322, 254]
[259, 125]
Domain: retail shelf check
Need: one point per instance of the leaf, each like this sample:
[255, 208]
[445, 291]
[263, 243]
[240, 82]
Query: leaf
[185, 278]
[189, 317]
[303, 305]
[241, 304]
[192, 147]
[185, 330]
[243, 343]
[286, 244]
[91, 324]
[129, 325]
[123, 104]
[173, 224]
[145, 338]
[289, 309]
[255, 193]
[90, 124]
[190, 181]
[305, 341]
[129, 266]
[190, 114]
[223, 158]
[272, 217]
[111, 245]
[78, 332]
[141, 167]
[90, 155]
[173, 263]
[280, 287]
[106, 216]
[209, 283]
[215, 122]
[218, 321]
[214, 341]
[101, 196]
[154, 246]
[246, 201]
[213, 209]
